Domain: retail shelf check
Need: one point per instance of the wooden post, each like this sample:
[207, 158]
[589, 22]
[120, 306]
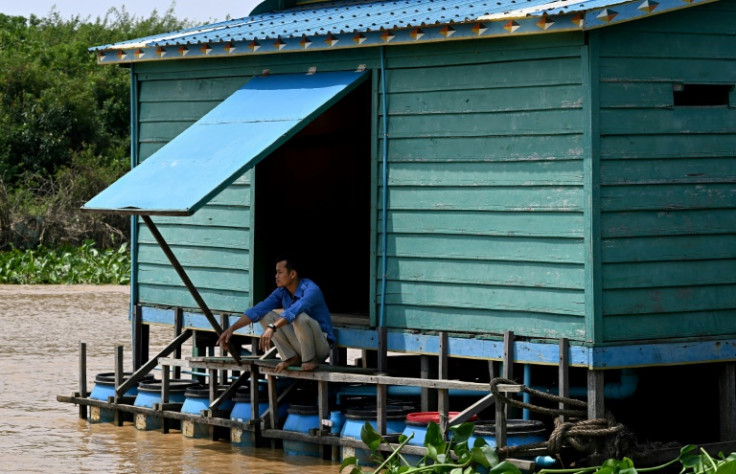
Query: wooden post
[508, 363]
[164, 396]
[500, 424]
[443, 396]
[255, 414]
[381, 401]
[117, 414]
[323, 408]
[273, 403]
[137, 336]
[141, 338]
[429, 396]
[596, 405]
[382, 354]
[727, 401]
[508, 373]
[178, 328]
[83, 378]
[563, 373]
[225, 323]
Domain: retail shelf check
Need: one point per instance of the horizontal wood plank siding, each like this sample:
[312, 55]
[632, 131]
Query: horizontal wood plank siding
[213, 244]
[485, 187]
[668, 178]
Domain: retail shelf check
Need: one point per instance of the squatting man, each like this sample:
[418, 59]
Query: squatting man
[295, 317]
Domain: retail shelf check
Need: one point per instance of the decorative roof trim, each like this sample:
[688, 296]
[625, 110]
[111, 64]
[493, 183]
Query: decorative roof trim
[496, 26]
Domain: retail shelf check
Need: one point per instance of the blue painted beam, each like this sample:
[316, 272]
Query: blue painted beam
[539, 353]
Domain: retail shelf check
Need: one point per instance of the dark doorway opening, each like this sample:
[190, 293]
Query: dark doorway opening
[313, 202]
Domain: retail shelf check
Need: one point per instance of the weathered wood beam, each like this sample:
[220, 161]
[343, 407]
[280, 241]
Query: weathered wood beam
[188, 283]
[121, 388]
[563, 373]
[473, 409]
[230, 391]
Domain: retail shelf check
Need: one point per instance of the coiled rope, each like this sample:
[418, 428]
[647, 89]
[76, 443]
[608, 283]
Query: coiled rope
[583, 435]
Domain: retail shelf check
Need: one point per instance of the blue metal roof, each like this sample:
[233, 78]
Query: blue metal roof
[354, 23]
[233, 137]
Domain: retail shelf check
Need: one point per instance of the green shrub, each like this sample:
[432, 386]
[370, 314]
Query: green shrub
[68, 265]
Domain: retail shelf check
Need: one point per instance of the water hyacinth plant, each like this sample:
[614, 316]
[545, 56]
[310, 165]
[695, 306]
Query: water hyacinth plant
[454, 457]
[68, 265]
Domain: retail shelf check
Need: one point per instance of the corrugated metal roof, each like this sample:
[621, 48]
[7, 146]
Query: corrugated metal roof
[335, 17]
[325, 19]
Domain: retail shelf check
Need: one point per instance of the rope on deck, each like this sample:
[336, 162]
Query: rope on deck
[584, 435]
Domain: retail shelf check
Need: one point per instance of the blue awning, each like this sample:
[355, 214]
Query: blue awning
[233, 137]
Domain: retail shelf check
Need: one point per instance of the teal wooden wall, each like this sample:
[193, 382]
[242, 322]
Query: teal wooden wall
[667, 175]
[213, 245]
[514, 202]
[485, 175]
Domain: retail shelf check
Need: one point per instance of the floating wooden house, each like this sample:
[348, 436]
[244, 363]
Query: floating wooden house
[448, 168]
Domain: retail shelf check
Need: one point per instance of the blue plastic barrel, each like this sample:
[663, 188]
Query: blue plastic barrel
[105, 385]
[302, 419]
[518, 432]
[197, 399]
[104, 389]
[150, 392]
[356, 418]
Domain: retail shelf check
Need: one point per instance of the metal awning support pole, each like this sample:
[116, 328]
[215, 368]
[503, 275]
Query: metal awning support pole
[187, 282]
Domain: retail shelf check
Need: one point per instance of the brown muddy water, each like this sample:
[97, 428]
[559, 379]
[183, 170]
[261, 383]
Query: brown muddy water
[40, 331]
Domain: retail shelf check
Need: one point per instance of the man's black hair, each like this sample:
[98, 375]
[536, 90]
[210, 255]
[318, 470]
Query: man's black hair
[290, 263]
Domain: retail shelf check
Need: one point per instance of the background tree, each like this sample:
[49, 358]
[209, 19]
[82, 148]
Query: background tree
[64, 125]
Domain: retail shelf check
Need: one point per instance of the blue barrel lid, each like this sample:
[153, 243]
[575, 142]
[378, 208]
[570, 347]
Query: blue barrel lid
[303, 409]
[175, 385]
[109, 377]
[393, 412]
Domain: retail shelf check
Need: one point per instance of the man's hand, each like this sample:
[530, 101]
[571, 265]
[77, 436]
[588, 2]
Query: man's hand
[225, 338]
[265, 343]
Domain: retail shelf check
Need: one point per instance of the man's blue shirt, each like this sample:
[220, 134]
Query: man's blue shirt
[307, 298]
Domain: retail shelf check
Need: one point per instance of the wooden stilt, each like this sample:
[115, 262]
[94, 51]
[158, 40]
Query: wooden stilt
[323, 410]
[178, 328]
[508, 363]
[141, 338]
[255, 402]
[117, 414]
[164, 395]
[508, 373]
[83, 378]
[727, 401]
[273, 404]
[563, 373]
[596, 404]
[382, 350]
[381, 401]
[443, 396]
[225, 323]
[429, 396]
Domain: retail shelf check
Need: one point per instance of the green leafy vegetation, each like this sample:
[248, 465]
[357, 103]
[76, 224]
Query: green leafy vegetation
[692, 461]
[454, 457]
[67, 265]
[457, 457]
[64, 126]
